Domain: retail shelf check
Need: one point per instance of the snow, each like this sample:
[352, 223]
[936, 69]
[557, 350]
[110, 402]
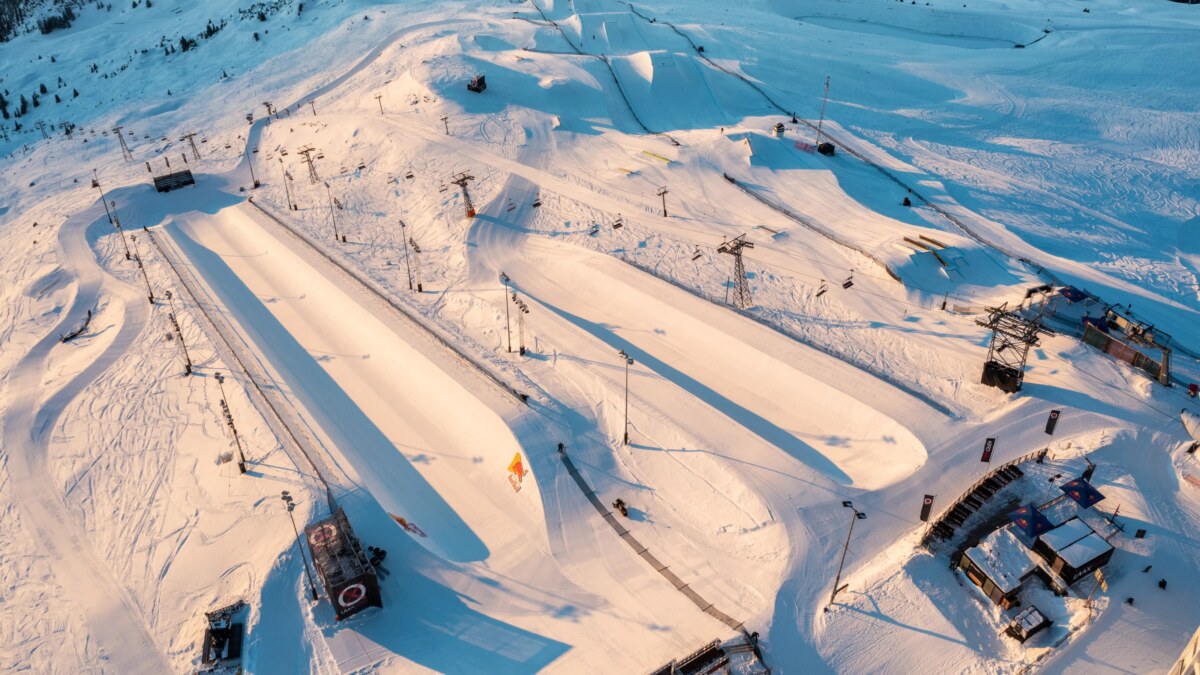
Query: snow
[1070, 160]
[1066, 534]
[1003, 557]
[1085, 550]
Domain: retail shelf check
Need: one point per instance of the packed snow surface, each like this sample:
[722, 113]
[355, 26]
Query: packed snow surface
[410, 325]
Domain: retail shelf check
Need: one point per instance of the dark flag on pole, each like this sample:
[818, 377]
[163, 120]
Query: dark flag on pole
[987, 450]
[926, 506]
[1052, 421]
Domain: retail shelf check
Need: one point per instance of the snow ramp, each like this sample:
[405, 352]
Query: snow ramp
[836, 419]
[434, 455]
[614, 34]
[669, 91]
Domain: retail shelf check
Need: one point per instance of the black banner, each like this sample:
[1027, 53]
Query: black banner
[926, 506]
[1052, 421]
[987, 450]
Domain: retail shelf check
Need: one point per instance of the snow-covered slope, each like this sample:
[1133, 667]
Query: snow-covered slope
[607, 162]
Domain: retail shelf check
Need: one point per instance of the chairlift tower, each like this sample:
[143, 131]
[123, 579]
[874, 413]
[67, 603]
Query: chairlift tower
[191, 139]
[307, 151]
[460, 179]
[125, 151]
[734, 248]
[662, 192]
[1012, 336]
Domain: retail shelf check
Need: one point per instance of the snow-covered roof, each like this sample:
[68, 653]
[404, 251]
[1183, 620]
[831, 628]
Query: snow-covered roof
[1085, 550]
[1003, 558]
[1066, 534]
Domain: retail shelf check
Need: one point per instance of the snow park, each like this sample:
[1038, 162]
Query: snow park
[600, 336]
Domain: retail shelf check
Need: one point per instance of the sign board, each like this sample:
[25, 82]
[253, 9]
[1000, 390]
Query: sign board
[988, 445]
[926, 506]
[516, 472]
[1053, 420]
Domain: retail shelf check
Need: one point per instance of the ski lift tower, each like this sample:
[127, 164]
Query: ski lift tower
[1012, 336]
[460, 179]
[734, 248]
[307, 151]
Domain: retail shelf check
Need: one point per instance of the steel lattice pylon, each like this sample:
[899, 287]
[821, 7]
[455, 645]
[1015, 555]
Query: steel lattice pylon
[734, 248]
[1012, 337]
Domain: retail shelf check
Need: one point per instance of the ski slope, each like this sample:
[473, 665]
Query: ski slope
[853, 375]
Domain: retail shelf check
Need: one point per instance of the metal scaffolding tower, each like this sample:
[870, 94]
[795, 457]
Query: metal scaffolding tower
[460, 179]
[734, 248]
[124, 148]
[307, 151]
[191, 139]
[1012, 336]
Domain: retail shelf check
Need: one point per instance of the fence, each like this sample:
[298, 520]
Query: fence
[1121, 351]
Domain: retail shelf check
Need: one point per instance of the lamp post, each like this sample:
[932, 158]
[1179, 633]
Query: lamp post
[332, 213]
[142, 268]
[229, 420]
[628, 362]
[858, 515]
[407, 267]
[507, 321]
[291, 505]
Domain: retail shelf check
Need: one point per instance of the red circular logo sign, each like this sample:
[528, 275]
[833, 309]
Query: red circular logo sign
[352, 595]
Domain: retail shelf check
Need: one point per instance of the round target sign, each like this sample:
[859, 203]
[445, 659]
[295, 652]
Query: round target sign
[352, 595]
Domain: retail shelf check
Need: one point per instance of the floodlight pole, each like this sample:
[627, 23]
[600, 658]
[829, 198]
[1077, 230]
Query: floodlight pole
[229, 420]
[287, 499]
[446, 122]
[138, 257]
[507, 320]
[312, 103]
[379, 99]
[821, 121]
[103, 199]
[628, 362]
[332, 213]
[187, 358]
[662, 192]
[858, 515]
[407, 266]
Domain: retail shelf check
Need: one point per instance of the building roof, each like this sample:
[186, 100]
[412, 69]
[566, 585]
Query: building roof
[1066, 534]
[1003, 558]
[1085, 550]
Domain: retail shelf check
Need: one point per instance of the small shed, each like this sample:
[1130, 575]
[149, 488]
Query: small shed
[477, 84]
[1073, 550]
[998, 565]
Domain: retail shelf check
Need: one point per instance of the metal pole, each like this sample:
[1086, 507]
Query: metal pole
[103, 199]
[229, 418]
[250, 163]
[332, 215]
[628, 362]
[507, 320]
[290, 506]
[821, 121]
[626, 401]
[856, 515]
[312, 103]
[149, 291]
[407, 267]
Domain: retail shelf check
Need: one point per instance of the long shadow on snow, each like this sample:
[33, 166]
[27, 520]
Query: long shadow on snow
[761, 427]
[335, 411]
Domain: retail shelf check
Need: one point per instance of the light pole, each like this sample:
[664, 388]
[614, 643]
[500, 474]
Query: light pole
[332, 213]
[142, 268]
[229, 420]
[628, 362]
[187, 359]
[407, 267]
[103, 199]
[858, 515]
[507, 321]
[291, 505]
